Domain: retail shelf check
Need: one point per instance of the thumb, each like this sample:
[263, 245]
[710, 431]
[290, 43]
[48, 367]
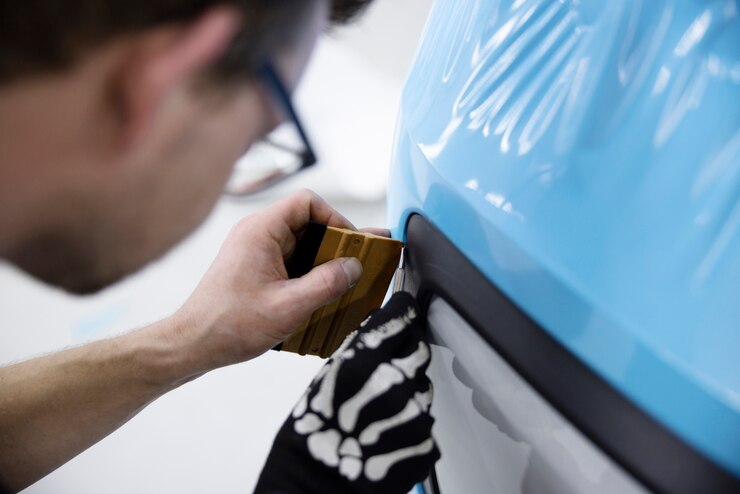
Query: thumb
[325, 283]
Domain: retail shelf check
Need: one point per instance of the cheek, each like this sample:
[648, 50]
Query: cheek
[241, 125]
[221, 139]
[153, 207]
[181, 193]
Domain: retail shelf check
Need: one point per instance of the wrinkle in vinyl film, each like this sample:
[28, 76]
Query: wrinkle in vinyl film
[525, 69]
[603, 140]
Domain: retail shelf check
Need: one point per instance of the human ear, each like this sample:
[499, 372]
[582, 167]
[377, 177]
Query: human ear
[164, 60]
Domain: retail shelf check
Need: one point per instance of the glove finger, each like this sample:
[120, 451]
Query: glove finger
[395, 414]
[413, 470]
[357, 388]
[407, 435]
[404, 466]
[369, 391]
[387, 329]
[376, 369]
[414, 358]
[386, 390]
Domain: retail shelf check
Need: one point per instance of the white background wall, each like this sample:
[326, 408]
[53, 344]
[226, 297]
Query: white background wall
[212, 435]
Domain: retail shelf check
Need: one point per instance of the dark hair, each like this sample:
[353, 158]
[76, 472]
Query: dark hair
[39, 36]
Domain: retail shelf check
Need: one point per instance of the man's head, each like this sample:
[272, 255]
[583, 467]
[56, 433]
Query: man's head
[120, 121]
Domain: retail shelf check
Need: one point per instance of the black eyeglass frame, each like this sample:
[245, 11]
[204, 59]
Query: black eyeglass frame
[281, 96]
[276, 86]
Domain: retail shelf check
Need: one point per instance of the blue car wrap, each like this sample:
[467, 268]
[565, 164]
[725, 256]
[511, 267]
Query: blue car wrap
[584, 157]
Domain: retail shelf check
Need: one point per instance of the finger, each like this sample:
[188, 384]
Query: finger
[398, 401]
[345, 345]
[391, 329]
[414, 469]
[413, 431]
[417, 403]
[304, 206]
[417, 361]
[389, 386]
[322, 285]
[379, 232]
[414, 461]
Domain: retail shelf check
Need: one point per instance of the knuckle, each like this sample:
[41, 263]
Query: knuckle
[304, 196]
[242, 227]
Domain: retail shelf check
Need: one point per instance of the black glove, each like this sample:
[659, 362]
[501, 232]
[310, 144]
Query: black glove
[363, 425]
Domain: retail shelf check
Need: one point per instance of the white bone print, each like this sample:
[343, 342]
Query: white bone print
[377, 467]
[372, 433]
[373, 339]
[383, 379]
[409, 365]
[327, 446]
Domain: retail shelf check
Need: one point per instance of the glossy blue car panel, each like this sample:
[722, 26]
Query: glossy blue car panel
[585, 155]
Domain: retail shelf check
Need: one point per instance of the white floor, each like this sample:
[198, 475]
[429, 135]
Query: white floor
[213, 435]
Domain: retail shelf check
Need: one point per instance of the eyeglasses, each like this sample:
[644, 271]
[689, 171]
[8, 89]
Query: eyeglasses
[281, 154]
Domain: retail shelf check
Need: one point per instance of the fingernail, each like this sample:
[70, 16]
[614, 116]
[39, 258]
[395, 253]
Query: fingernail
[352, 270]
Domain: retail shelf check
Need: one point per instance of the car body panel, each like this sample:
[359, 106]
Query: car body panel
[585, 156]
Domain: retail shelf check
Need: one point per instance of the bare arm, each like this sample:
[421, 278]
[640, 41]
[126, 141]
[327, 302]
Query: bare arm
[56, 406]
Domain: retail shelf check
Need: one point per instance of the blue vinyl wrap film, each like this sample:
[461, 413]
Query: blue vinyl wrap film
[585, 156]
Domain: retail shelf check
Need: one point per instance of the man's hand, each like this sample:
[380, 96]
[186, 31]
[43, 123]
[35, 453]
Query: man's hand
[246, 304]
[363, 425]
[55, 406]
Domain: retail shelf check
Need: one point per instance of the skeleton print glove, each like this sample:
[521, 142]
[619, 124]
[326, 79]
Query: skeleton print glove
[363, 424]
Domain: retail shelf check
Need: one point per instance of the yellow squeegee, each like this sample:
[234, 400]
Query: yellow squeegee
[323, 333]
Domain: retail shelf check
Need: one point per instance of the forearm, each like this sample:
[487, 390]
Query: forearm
[54, 407]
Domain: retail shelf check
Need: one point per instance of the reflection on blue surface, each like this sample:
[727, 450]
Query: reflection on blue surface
[585, 155]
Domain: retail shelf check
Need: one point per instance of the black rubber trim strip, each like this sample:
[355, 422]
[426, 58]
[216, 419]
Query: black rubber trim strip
[647, 450]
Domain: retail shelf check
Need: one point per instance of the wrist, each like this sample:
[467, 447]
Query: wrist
[167, 353]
